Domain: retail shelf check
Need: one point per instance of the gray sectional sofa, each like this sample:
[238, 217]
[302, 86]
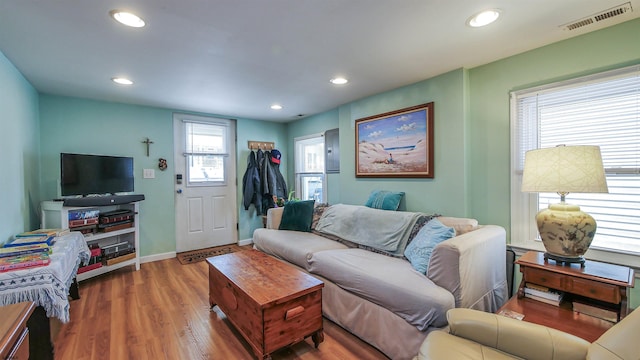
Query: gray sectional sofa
[382, 299]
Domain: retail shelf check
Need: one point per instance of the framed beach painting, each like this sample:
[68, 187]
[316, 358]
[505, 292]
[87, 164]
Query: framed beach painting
[396, 144]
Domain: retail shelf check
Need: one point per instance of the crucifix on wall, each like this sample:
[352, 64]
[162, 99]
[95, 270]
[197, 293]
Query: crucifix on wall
[147, 142]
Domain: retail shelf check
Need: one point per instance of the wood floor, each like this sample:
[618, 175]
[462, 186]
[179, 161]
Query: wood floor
[162, 312]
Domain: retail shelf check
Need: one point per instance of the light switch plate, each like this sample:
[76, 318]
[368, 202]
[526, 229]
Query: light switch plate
[149, 174]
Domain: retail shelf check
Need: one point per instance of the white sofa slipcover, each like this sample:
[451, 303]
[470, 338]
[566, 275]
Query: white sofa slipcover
[382, 299]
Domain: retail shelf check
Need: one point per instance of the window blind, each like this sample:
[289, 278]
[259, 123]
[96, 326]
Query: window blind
[602, 110]
[205, 138]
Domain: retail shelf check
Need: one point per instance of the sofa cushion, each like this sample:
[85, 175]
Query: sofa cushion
[423, 219]
[461, 225]
[318, 210]
[293, 246]
[389, 282]
[384, 200]
[419, 250]
[297, 216]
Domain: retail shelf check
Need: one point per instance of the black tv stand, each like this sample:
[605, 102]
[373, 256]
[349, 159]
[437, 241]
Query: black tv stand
[103, 200]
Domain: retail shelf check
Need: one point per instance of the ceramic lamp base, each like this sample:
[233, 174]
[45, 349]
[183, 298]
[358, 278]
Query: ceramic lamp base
[566, 232]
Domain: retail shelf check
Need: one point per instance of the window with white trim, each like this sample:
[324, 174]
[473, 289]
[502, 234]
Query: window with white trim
[309, 159]
[602, 110]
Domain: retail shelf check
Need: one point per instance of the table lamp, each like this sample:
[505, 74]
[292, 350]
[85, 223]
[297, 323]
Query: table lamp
[566, 231]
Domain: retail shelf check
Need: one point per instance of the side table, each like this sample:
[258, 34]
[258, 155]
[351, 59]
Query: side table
[595, 282]
[49, 288]
[14, 334]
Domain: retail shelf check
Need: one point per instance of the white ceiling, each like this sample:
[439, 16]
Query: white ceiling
[237, 57]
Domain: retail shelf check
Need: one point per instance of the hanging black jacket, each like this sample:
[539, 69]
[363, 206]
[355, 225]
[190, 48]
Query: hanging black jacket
[273, 183]
[260, 161]
[251, 185]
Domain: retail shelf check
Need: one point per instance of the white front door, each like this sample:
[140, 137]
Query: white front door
[205, 182]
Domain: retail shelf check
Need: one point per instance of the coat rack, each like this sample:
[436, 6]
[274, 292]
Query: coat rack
[262, 145]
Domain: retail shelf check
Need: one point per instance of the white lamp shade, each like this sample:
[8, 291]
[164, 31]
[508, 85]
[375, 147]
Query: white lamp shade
[564, 169]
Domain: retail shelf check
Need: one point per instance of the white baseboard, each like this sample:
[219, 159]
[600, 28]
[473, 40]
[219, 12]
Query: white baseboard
[157, 257]
[171, 255]
[245, 242]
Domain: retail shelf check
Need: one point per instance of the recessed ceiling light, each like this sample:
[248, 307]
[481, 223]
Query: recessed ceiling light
[127, 18]
[276, 107]
[484, 18]
[122, 81]
[339, 81]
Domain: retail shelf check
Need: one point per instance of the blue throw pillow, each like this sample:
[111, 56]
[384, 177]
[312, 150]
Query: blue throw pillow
[297, 215]
[385, 200]
[419, 250]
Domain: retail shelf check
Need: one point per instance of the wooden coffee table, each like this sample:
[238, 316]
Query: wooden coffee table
[272, 304]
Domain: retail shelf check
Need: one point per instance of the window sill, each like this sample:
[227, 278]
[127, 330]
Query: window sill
[608, 256]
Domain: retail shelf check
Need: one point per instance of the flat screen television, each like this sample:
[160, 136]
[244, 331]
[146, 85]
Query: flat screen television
[83, 174]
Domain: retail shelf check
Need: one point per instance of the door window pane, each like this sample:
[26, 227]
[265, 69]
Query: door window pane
[205, 169]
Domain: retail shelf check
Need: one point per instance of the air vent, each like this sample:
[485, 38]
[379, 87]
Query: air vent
[601, 16]
[579, 24]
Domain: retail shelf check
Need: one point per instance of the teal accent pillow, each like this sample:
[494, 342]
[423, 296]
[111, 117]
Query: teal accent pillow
[418, 252]
[385, 200]
[297, 216]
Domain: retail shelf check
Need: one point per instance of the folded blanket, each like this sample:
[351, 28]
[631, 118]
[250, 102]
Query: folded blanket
[383, 230]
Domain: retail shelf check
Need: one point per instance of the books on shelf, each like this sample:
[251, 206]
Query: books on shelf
[543, 294]
[95, 261]
[24, 261]
[89, 268]
[41, 232]
[595, 311]
[24, 249]
[544, 300]
[537, 287]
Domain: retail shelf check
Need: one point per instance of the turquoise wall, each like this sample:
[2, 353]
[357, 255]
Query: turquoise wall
[446, 193]
[472, 131]
[489, 177]
[489, 87]
[472, 145]
[19, 150]
[94, 127]
[97, 127]
[315, 124]
[472, 135]
[256, 130]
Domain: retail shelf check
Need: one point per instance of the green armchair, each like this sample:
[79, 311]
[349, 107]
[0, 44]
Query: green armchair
[478, 335]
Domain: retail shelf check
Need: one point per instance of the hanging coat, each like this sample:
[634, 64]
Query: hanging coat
[260, 161]
[251, 185]
[273, 183]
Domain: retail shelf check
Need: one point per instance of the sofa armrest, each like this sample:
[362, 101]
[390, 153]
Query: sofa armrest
[520, 338]
[274, 216]
[472, 266]
[619, 342]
